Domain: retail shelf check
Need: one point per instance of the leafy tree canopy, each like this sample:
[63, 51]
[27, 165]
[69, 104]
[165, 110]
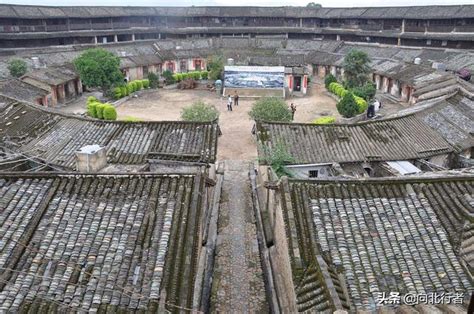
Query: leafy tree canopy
[347, 106]
[17, 67]
[99, 68]
[277, 157]
[270, 109]
[356, 68]
[215, 65]
[313, 5]
[200, 112]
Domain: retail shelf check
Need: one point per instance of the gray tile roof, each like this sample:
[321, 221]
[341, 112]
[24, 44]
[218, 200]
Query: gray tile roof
[382, 235]
[415, 12]
[21, 91]
[400, 138]
[99, 242]
[54, 137]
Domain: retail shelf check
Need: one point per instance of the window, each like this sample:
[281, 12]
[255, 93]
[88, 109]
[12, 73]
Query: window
[313, 173]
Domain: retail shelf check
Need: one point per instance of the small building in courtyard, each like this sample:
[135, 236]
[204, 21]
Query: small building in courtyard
[63, 83]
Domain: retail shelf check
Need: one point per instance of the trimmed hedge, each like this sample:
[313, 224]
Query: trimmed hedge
[96, 109]
[109, 112]
[341, 92]
[92, 109]
[195, 75]
[100, 110]
[325, 120]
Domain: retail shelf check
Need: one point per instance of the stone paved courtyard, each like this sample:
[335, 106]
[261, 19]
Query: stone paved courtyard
[238, 278]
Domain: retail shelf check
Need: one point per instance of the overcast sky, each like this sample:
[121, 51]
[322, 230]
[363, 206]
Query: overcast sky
[324, 3]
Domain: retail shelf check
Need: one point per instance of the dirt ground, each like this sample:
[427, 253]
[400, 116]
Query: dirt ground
[236, 141]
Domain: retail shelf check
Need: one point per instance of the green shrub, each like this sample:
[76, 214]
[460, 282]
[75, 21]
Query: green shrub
[200, 112]
[146, 83]
[328, 80]
[325, 120]
[195, 75]
[109, 112]
[347, 106]
[130, 88]
[139, 84]
[100, 110]
[204, 75]
[178, 77]
[361, 104]
[332, 87]
[168, 76]
[91, 99]
[153, 80]
[118, 93]
[92, 109]
[270, 109]
[277, 157]
[124, 91]
[367, 91]
[185, 76]
[17, 67]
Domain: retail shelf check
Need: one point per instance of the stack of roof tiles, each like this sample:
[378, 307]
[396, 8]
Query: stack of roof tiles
[382, 236]
[54, 138]
[108, 243]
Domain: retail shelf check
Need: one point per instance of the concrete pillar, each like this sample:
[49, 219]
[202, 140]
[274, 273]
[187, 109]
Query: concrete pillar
[399, 41]
[338, 37]
[403, 26]
[133, 37]
[385, 83]
[115, 38]
[61, 93]
[301, 22]
[95, 40]
[80, 88]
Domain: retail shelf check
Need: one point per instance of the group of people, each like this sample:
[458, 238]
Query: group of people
[373, 108]
[232, 100]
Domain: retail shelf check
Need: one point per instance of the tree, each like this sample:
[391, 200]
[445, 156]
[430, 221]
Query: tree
[277, 157]
[99, 68]
[313, 5]
[356, 68]
[17, 67]
[168, 76]
[367, 91]
[215, 64]
[347, 106]
[154, 80]
[270, 109]
[200, 112]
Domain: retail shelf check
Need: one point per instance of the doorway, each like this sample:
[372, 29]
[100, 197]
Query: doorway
[297, 83]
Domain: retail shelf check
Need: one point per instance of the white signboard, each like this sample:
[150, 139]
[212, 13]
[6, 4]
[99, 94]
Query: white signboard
[254, 77]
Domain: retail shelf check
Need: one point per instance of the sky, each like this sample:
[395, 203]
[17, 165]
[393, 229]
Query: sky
[324, 3]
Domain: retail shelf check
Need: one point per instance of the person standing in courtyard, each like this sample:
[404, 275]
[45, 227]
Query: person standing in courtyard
[236, 99]
[293, 110]
[229, 103]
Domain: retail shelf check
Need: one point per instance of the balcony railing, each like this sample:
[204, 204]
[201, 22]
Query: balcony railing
[465, 28]
[414, 28]
[56, 28]
[441, 28]
[101, 25]
[80, 26]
